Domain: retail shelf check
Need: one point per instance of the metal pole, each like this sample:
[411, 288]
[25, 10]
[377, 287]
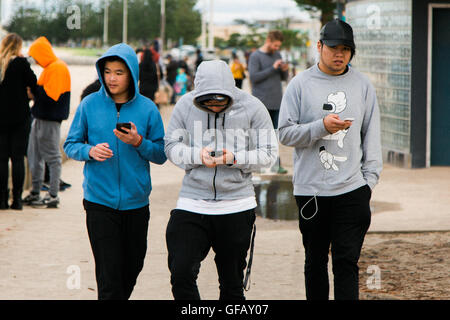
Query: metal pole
[340, 6]
[1, 20]
[105, 23]
[211, 26]
[125, 21]
[163, 24]
[203, 38]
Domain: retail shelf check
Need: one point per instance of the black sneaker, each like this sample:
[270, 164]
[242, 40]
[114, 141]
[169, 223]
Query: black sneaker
[63, 185]
[30, 198]
[47, 202]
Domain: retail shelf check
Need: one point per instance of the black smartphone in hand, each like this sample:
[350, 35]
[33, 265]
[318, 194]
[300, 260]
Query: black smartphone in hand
[121, 125]
[217, 153]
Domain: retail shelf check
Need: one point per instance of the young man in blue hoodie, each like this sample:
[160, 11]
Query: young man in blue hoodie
[330, 115]
[117, 160]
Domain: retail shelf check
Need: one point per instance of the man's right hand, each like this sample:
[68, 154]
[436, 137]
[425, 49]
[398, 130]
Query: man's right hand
[277, 64]
[101, 152]
[207, 160]
[30, 94]
[333, 123]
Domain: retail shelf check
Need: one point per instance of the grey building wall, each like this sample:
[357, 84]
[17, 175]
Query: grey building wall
[383, 36]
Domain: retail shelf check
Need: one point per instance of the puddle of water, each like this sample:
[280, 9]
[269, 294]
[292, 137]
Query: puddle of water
[380, 206]
[275, 199]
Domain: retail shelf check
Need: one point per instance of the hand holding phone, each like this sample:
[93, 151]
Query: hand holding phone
[127, 133]
[284, 66]
[206, 157]
[217, 153]
[223, 157]
[121, 125]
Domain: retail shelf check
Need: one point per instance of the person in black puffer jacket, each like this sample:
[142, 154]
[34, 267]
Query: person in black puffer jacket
[148, 75]
[16, 79]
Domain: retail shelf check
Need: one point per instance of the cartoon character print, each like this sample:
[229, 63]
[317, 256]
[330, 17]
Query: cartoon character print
[336, 103]
[338, 136]
[328, 160]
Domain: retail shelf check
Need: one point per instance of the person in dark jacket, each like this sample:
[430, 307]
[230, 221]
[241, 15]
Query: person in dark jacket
[148, 75]
[171, 75]
[199, 59]
[267, 70]
[51, 107]
[15, 119]
[91, 88]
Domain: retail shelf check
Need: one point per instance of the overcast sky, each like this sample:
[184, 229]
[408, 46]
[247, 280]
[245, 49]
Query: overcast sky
[225, 11]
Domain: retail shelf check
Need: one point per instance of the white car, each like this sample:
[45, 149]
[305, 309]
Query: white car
[184, 50]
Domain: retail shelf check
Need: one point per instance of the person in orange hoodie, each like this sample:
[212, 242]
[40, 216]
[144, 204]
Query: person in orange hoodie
[51, 107]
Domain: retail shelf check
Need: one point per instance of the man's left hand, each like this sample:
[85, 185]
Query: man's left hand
[226, 158]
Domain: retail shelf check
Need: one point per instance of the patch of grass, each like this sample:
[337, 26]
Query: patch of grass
[85, 52]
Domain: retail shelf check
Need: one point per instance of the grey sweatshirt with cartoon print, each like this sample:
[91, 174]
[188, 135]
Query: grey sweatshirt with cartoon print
[331, 164]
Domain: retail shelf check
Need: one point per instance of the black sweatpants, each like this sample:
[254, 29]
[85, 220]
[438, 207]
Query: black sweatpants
[119, 244]
[189, 236]
[342, 222]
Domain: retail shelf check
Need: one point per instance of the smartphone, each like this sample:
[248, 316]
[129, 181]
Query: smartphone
[327, 107]
[349, 119]
[217, 153]
[121, 125]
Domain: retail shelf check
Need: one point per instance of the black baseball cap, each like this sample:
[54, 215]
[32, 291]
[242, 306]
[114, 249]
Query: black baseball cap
[214, 96]
[337, 32]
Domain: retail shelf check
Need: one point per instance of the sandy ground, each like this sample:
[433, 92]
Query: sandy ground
[39, 247]
[410, 265]
[45, 254]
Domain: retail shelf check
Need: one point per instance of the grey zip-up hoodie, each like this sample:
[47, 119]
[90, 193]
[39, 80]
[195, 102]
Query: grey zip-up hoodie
[331, 164]
[244, 128]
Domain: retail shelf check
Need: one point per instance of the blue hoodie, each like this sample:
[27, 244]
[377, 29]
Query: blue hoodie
[121, 182]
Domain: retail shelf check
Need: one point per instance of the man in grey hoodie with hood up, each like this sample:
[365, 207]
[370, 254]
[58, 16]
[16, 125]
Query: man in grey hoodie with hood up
[218, 134]
[330, 115]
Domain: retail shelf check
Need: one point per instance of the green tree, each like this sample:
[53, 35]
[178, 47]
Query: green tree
[27, 21]
[50, 20]
[235, 40]
[327, 8]
[294, 38]
[253, 39]
[182, 21]
[31, 21]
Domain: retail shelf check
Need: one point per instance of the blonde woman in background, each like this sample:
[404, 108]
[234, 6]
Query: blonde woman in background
[16, 78]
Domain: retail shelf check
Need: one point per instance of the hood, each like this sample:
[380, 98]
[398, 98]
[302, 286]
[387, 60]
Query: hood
[41, 50]
[214, 77]
[128, 55]
[55, 79]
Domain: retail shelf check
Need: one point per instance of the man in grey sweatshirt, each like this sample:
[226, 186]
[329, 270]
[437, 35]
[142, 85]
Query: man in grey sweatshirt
[218, 134]
[267, 70]
[330, 115]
